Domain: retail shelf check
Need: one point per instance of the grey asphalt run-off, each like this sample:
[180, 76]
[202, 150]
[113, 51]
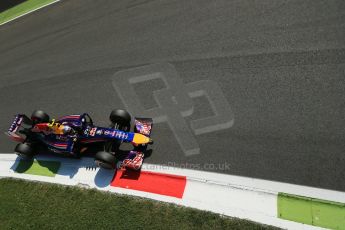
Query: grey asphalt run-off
[280, 66]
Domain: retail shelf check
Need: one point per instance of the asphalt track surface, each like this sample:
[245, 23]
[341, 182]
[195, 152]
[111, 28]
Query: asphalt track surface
[279, 64]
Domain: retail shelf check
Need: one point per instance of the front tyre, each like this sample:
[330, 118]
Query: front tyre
[105, 160]
[38, 116]
[120, 119]
[24, 151]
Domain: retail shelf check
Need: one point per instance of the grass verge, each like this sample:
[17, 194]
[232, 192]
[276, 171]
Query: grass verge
[34, 205]
[22, 8]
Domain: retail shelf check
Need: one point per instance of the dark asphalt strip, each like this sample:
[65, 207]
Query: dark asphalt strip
[280, 68]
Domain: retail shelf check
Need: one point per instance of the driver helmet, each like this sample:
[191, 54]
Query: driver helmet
[67, 129]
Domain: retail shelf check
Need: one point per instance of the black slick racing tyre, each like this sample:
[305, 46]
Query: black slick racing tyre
[38, 116]
[120, 119]
[105, 160]
[24, 150]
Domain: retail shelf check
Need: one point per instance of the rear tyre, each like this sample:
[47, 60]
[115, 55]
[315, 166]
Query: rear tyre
[120, 119]
[105, 160]
[24, 151]
[38, 116]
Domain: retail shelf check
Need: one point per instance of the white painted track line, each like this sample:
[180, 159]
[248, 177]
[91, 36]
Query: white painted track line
[246, 198]
[29, 12]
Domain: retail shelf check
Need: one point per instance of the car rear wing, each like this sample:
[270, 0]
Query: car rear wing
[143, 126]
[13, 131]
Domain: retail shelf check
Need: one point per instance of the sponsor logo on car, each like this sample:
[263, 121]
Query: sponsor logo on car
[99, 132]
[86, 131]
[93, 132]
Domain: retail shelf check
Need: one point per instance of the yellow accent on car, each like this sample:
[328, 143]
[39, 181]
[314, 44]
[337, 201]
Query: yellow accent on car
[56, 128]
[140, 139]
[51, 123]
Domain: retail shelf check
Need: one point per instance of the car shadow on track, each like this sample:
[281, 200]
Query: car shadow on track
[47, 163]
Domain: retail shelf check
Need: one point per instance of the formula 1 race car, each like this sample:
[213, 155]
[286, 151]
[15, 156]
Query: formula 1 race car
[73, 134]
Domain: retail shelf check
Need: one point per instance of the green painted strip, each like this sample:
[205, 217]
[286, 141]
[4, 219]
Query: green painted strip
[38, 167]
[22, 8]
[321, 213]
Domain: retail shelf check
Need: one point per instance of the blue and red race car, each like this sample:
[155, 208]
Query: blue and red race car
[74, 134]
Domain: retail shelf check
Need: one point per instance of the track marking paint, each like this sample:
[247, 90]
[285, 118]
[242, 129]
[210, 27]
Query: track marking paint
[316, 212]
[38, 167]
[235, 196]
[159, 183]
